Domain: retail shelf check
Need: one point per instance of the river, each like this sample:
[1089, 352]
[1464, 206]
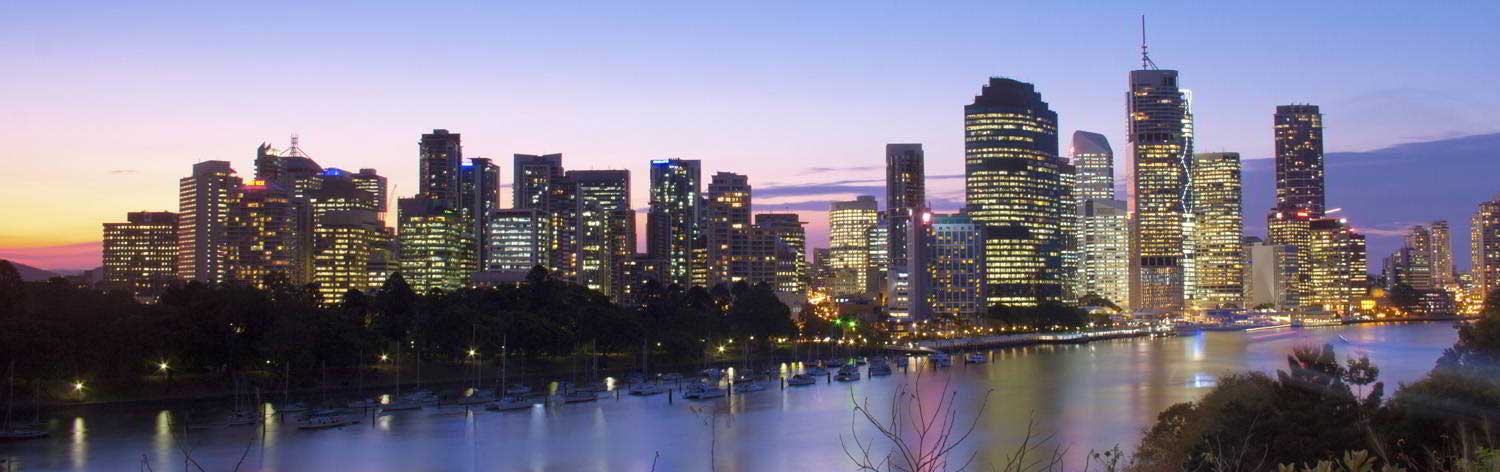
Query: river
[1084, 397]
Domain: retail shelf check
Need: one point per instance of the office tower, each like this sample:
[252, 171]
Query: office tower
[479, 193]
[849, 224]
[514, 240]
[1417, 263]
[370, 181]
[640, 272]
[440, 153]
[206, 210]
[436, 252]
[1336, 265]
[821, 277]
[140, 254]
[603, 228]
[348, 240]
[1015, 189]
[1484, 248]
[1270, 273]
[791, 264]
[1218, 231]
[1104, 258]
[726, 216]
[1159, 130]
[1299, 159]
[956, 266]
[675, 222]
[1094, 161]
[1068, 229]
[532, 188]
[294, 171]
[905, 195]
[878, 240]
[1443, 275]
[265, 235]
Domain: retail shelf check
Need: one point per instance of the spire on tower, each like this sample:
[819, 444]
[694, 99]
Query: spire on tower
[1146, 62]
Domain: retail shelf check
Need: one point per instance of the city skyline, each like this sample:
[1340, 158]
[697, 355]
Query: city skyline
[126, 164]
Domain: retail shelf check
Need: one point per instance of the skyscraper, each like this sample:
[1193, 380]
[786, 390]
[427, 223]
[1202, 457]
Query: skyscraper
[539, 184]
[1104, 259]
[1218, 231]
[1095, 164]
[727, 227]
[604, 228]
[514, 239]
[532, 175]
[1271, 271]
[436, 252]
[479, 193]
[1336, 266]
[1015, 189]
[348, 238]
[1484, 248]
[956, 265]
[1159, 133]
[440, 154]
[1443, 275]
[370, 181]
[675, 222]
[849, 224]
[207, 202]
[791, 264]
[905, 195]
[1417, 263]
[1299, 158]
[264, 235]
[140, 254]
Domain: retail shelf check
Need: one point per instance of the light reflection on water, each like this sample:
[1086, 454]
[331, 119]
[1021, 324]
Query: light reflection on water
[1087, 396]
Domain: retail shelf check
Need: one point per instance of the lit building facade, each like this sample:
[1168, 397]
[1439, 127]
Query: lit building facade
[1015, 189]
[1299, 158]
[849, 225]
[479, 193]
[440, 154]
[1104, 262]
[436, 252]
[1443, 274]
[1094, 162]
[1270, 273]
[350, 244]
[1218, 231]
[604, 228]
[207, 203]
[955, 268]
[791, 260]
[1336, 266]
[727, 227]
[1484, 248]
[1159, 130]
[140, 254]
[264, 233]
[675, 222]
[1416, 270]
[905, 196]
[514, 240]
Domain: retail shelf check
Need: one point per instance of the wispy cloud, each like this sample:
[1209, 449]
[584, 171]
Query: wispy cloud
[123, 172]
[821, 170]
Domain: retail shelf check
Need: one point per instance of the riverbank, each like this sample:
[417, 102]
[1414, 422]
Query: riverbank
[1032, 339]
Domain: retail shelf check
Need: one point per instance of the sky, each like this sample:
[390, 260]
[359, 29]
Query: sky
[106, 104]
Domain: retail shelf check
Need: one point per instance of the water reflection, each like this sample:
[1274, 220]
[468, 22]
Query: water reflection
[1086, 396]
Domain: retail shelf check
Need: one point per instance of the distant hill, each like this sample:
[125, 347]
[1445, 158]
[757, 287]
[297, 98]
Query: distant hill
[32, 274]
[1386, 190]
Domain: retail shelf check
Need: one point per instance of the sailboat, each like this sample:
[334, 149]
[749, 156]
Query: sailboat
[287, 405]
[398, 402]
[506, 403]
[12, 432]
[645, 387]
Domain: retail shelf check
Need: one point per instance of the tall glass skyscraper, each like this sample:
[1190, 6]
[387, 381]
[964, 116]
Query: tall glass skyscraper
[675, 222]
[207, 202]
[849, 225]
[905, 195]
[440, 154]
[1159, 198]
[1095, 163]
[1218, 231]
[1299, 159]
[1016, 191]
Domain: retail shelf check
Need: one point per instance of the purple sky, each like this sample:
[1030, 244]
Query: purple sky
[108, 104]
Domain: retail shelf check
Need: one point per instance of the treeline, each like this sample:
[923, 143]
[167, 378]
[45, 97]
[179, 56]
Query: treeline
[54, 331]
[1322, 410]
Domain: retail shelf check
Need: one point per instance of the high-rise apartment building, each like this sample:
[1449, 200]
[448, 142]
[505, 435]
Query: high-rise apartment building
[1299, 159]
[207, 207]
[1160, 133]
[849, 225]
[675, 222]
[1417, 265]
[1484, 248]
[727, 227]
[905, 196]
[1443, 274]
[1218, 231]
[140, 254]
[1014, 188]
[440, 155]
[1336, 266]
[878, 241]
[436, 252]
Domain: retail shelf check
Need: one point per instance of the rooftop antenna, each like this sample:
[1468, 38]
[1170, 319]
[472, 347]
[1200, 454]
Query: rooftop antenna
[1146, 62]
[295, 150]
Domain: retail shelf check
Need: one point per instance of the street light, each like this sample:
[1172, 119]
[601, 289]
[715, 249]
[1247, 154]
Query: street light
[384, 357]
[78, 386]
[473, 353]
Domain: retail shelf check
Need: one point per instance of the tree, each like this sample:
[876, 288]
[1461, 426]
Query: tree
[12, 290]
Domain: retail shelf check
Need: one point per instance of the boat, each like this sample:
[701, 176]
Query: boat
[365, 403]
[861, 361]
[713, 374]
[326, 421]
[294, 407]
[975, 358]
[508, 404]
[402, 405]
[477, 397]
[671, 377]
[801, 379]
[901, 361]
[702, 391]
[941, 359]
[817, 371]
[22, 434]
[579, 396]
[880, 368]
[748, 387]
[645, 389]
[848, 373]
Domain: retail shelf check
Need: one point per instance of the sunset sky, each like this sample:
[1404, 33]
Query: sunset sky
[106, 104]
